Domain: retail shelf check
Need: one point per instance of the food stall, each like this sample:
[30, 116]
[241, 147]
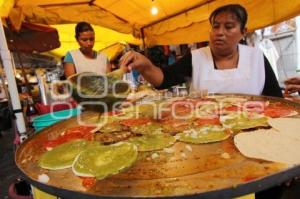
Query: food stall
[183, 22]
[178, 169]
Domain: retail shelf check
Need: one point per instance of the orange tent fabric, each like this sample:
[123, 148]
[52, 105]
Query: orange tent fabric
[177, 21]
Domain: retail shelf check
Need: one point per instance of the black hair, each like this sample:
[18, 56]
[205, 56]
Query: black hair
[236, 9]
[82, 27]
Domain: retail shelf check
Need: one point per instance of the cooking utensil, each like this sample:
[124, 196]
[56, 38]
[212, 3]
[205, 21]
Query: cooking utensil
[99, 92]
[200, 173]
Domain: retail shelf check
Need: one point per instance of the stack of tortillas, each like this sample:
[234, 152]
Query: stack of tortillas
[281, 143]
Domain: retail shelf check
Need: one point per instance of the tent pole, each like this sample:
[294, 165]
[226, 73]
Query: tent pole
[298, 42]
[24, 73]
[12, 85]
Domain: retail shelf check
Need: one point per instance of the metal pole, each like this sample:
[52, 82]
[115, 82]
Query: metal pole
[12, 85]
[298, 41]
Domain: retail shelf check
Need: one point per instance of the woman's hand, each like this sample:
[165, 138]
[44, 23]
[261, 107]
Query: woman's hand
[134, 60]
[292, 85]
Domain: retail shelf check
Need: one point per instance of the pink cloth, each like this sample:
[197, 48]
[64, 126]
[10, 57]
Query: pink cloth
[44, 109]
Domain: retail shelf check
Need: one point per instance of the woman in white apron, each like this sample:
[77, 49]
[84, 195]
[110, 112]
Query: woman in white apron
[225, 66]
[85, 59]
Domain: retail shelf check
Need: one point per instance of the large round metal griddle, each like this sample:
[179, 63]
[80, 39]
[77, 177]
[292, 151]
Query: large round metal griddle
[202, 173]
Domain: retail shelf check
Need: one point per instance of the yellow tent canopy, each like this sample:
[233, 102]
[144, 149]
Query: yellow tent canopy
[114, 50]
[104, 36]
[177, 21]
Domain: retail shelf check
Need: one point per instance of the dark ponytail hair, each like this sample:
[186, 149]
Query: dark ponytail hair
[82, 27]
[236, 9]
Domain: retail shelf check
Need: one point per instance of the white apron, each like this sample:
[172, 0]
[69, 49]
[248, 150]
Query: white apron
[83, 64]
[247, 78]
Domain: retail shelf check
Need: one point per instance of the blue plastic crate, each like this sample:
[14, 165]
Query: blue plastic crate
[45, 120]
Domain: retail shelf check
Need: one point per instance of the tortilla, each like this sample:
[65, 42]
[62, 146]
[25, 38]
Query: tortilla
[103, 161]
[152, 142]
[243, 120]
[287, 126]
[112, 137]
[147, 129]
[269, 145]
[62, 156]
[204, 134]
[111, 127]
[277, 110]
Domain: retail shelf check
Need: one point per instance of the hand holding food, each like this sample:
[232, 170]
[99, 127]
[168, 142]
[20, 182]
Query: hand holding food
[134, 60]
[151, 73]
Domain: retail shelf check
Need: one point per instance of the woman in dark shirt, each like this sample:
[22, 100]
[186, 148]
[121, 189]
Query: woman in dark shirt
[224, 67]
